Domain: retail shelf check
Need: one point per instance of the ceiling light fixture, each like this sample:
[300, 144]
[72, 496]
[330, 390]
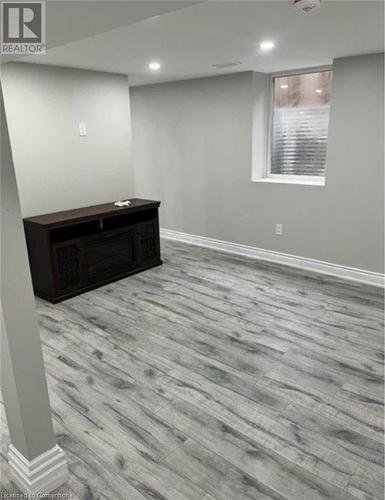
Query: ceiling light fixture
[284, 86]
[319, 91]
[267, 45]
[154, 66]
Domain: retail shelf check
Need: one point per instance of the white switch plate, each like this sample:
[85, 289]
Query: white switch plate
[82, 129]
[279, 229]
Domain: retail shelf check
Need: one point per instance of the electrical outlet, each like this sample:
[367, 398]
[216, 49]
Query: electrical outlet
[279, 229]
[82, 129]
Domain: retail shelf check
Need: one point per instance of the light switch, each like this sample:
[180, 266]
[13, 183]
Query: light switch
[82, 129]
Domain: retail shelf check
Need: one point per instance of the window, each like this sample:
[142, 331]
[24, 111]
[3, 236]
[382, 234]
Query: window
[300, 122]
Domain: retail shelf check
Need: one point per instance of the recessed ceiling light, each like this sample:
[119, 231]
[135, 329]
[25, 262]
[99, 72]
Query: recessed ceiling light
[284, 86]
[319, 91]
[154, 66]
[267, 45]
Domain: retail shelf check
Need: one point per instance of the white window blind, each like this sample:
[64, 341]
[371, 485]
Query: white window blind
[300, 124]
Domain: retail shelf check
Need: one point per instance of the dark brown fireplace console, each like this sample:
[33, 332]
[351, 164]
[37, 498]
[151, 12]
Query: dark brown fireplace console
[77, 250]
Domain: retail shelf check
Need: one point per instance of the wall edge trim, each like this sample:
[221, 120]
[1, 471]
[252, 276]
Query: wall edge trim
[39, 476]
[335, 270]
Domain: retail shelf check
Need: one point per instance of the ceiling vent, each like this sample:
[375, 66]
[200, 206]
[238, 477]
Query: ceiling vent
[227, 65]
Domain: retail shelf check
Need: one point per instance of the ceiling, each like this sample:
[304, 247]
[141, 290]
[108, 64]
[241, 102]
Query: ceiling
[69, 21]
[187, 38]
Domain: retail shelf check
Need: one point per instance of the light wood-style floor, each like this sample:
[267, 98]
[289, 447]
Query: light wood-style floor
[218, 377]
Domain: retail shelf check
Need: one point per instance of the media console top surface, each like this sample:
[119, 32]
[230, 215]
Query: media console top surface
[88, 213]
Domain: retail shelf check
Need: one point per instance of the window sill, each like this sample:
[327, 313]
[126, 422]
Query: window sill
[303, 182]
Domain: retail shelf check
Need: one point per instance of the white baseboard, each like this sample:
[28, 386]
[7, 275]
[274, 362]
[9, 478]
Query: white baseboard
[39, 476]
[335, 270]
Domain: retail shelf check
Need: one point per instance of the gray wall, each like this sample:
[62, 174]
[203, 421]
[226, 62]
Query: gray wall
[57, 169]
[192, 148]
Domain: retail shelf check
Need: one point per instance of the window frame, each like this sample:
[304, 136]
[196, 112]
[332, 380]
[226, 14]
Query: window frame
[282, 178]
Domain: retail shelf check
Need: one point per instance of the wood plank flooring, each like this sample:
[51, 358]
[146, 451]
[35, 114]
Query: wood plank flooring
[219, 378]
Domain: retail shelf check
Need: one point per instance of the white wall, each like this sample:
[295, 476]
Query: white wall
[57, 169]
[192, 146]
